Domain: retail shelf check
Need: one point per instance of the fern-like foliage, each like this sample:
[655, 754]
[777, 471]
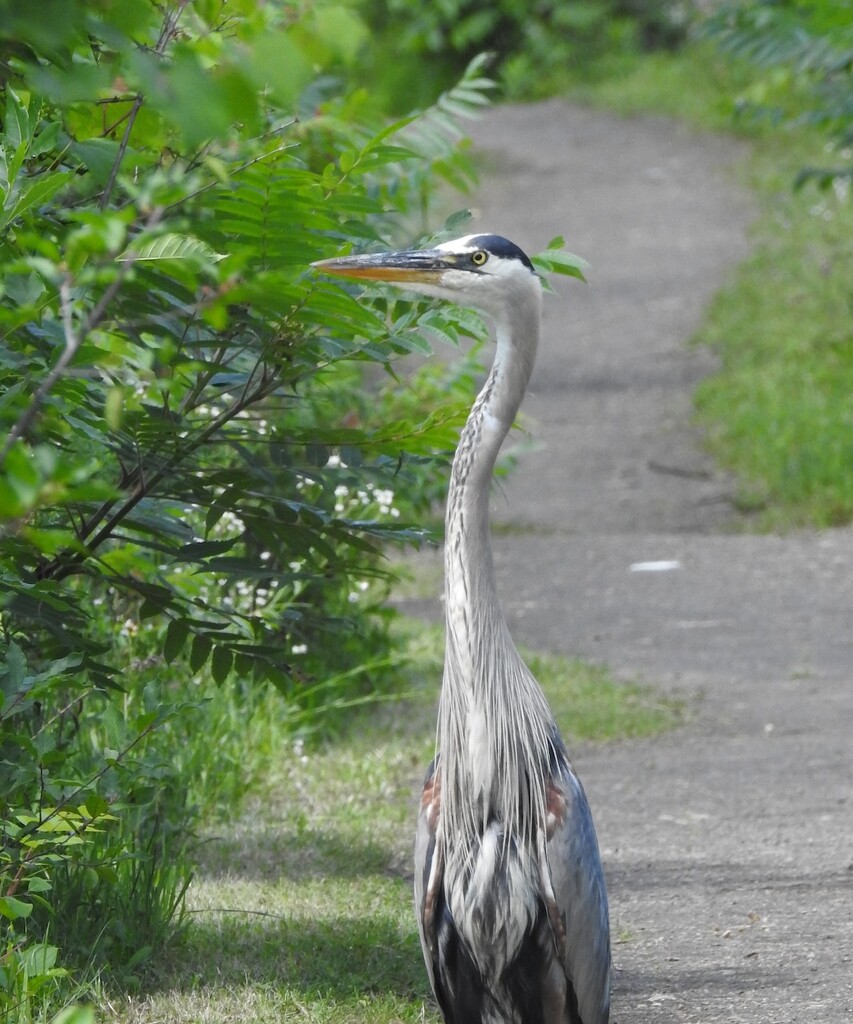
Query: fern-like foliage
[806, 51]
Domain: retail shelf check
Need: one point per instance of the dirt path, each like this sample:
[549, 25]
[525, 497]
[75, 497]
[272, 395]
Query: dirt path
[728, 844]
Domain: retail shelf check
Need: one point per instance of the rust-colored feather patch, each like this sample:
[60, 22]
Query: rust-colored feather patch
[556, 806]
[431, 802]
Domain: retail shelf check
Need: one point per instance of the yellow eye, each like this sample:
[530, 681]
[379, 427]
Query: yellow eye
[479, 257]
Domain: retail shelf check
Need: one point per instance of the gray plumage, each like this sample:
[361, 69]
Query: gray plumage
[509, 888]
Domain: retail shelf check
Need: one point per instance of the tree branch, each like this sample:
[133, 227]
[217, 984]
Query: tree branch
[63, 566]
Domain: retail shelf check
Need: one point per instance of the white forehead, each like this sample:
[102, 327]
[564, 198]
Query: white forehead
[464, 244]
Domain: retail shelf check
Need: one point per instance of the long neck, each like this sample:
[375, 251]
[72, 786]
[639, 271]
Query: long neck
[471, 600]
[493, 718]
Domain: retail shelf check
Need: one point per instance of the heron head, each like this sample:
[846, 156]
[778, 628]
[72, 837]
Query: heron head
[486, 271]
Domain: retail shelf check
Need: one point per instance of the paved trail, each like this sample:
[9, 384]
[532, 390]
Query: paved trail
[729, 843]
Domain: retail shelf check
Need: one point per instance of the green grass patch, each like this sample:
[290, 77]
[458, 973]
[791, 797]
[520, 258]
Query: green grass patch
[779, 413]
[589, 704]
[301, 908]
[694, 84]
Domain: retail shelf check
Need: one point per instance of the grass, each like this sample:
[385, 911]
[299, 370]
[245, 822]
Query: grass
[693, 84]
[301, 908]
[778, 414]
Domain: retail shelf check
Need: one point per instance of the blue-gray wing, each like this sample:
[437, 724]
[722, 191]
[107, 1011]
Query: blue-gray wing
[577, 902]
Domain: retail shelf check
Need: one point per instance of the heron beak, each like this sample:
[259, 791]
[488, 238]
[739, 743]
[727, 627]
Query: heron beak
[424, 265]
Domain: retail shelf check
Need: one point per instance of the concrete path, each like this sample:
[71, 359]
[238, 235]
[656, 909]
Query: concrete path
[728, 844]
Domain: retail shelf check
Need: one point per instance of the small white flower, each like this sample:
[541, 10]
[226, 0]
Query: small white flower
[299, 649]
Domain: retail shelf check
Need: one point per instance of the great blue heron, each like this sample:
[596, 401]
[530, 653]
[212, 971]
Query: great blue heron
[509, 889]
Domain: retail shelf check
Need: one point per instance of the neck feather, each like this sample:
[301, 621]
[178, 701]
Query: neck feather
[494, 722]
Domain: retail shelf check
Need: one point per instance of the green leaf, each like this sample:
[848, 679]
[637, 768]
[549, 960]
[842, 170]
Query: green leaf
[555, 260]
[200, 651]
[114, 407]
[15, 668]
[172, 246]
[341, 30]
[39, 958]
[96, 805]
[201, 549]
[220, 664]
[17, 121]
[75, 1015]
[46, 140]
[13, 908]
[281, 66]
[176, 636]
[39, 190]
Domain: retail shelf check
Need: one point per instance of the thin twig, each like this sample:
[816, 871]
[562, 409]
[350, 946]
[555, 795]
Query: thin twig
[167, 31]
[70, 798]
[237, 170]
[169, 28]
[104, 201]
[114, 99]
[62, 566]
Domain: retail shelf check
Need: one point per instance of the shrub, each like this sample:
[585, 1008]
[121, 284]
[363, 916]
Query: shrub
[199, 472]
